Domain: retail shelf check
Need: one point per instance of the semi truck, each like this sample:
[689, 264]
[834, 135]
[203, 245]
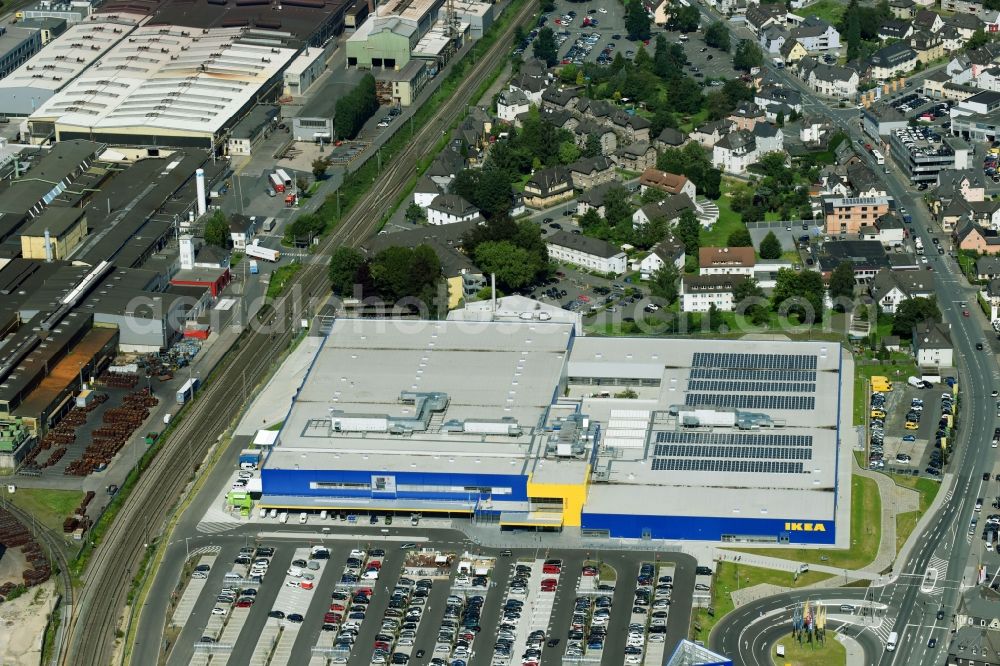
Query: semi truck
[249, 459]
[276, 183]
[186, 392]
[258, 252]
[285, 180]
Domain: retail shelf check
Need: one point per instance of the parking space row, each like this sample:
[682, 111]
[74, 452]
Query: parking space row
[195, 586]
[526, 612]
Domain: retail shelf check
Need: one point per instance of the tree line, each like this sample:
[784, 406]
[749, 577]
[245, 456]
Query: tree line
[355, 108]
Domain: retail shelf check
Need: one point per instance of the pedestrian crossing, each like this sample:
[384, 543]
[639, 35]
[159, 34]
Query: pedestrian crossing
[883, 630]
[211, 527]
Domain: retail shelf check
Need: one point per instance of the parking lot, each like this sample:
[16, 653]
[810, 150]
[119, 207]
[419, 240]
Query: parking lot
[347, 601]
[908, 428]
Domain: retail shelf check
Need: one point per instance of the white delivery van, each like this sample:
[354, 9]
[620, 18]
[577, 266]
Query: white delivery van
[890, 644]
[283, 517]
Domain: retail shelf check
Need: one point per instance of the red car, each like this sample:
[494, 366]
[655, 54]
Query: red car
[336, 607]
[590, 571]
[965, 313]
[367, 591]
[584, 298]
[551, 569]
[381, 645]
[244, 603]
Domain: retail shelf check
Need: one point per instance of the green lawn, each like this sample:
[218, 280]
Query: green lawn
[49, 507]
[697, 119]
[866, 531]
[729, 221]
[235, 260]
[830, 653]
[280, 278]
[907, 522]
[828, 10]
[730, 576]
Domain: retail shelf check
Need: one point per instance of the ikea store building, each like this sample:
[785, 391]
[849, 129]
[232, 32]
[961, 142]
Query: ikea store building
[526, 425]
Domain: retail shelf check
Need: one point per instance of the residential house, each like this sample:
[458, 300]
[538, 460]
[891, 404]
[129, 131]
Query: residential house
[561, 119]
[987, 268]
[636, 156]
[968, 185]
[902, 9]
[815, 34]
[848, 215]
[746, 116]
[867, 258]
[726, 261]
[927, 45]
[588, 127]
[988, 79]
[450, 209]
[965, 24]
[242, 229]
[760, 16]
[445, 167]
[990, 19]
[558, 97]
[665, 181]
[932, 345]
[973, 238]
[895, 29]
[631, 127]
[815, 132]
[532, 86]
[425, 191]
[669, 210]
[773, 95]
[891, 61]
[990, 294]
[589, 172]
[593, 198]
[833, 80]
[865, 184]
[589, 253]
[891, 230]
[951, 39]
[972, 7]
[669, 138]
[511, 104]
[832, 183]
[698, 293]
[952, 212]
[889, 288]
[928, 20]
[600, 110]
[708, 134]
[735, 152]
[662, 254]
[548, 187]
[772, 38]
[792, 51]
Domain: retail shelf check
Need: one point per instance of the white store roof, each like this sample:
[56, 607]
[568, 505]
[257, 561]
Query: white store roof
[170, 78]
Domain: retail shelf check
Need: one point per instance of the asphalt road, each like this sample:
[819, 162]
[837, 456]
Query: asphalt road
[944, 538]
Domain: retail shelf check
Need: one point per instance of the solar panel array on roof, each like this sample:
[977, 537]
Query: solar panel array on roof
[761, 361]
[755, 375]
[739, 438]
[751, 387]
[751, 401]
[704, 465]
[759, 452]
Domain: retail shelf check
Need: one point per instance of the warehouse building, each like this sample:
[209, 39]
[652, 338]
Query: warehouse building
[628, 438]
[183, 87]
[303, 71]
[17, 44]
[55, 234]
[49, 71]
[72, 12]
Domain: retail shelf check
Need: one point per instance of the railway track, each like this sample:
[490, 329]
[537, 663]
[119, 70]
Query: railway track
[92, 631]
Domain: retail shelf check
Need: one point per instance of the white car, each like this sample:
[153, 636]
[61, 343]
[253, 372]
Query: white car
[603, 10]
[218, 611]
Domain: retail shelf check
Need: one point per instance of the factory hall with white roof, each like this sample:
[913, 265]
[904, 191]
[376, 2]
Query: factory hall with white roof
[525, 425]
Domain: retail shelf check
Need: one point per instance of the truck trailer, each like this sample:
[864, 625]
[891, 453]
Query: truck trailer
[276, 183]
[256, 251]
[186, 392]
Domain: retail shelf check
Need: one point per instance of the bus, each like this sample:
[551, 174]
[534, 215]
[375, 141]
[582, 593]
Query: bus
[890, 644]
[879, 159]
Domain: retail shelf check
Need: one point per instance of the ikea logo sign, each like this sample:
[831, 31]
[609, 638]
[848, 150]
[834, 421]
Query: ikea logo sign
[805, 527]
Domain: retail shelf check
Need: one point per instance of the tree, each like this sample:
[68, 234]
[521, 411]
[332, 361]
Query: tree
[355, 108]
[487, 189]
[568, 152]
[979, 39]
[618, 206]
[664, 283]
[593, 146]
[717, 36]
[688, 231]
[684, 95]
[799, 293]
[853, 35]
[343, 270]
[911, 312]
[636, 21]
[415, 212]
[319, 167]
[770, 247]
[302, 184]
[747, 56]
[520, 37]
[842, 283]
[780, 119]
[512, 265]
[545, 47]
[749, 300]
[642, 59]
[685, 18]
[547, 6]
[740, 237]
[217, 230]
[402, 272]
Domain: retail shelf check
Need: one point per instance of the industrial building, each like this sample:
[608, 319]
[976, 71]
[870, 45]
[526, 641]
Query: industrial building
[522, 424]
[53, 68]
[303, 71]
[17, 44]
